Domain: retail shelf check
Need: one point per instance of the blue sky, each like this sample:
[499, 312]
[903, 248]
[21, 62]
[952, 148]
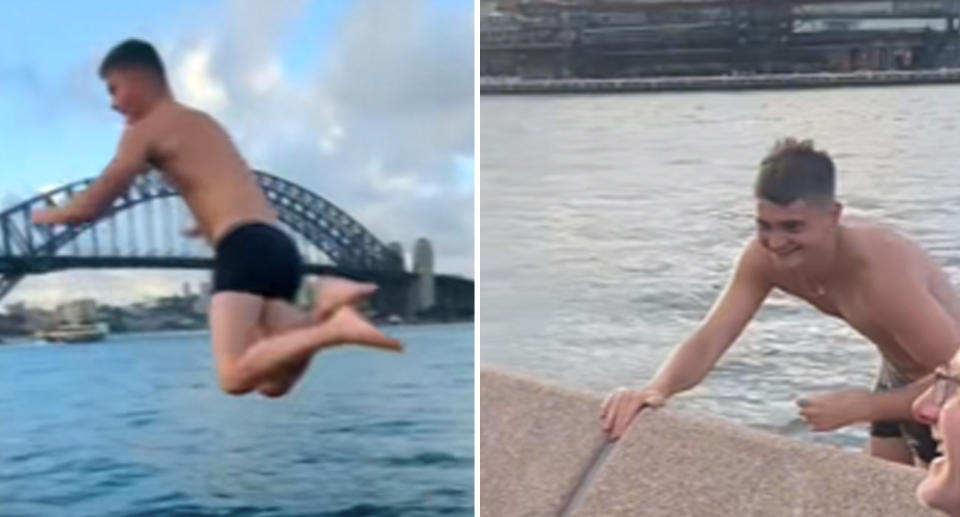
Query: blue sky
[372, 80]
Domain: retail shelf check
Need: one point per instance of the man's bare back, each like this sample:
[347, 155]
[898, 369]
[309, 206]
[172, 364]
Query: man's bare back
[200, 160]
[872, 257]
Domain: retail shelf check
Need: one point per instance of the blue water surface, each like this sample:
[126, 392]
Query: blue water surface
[136, 426]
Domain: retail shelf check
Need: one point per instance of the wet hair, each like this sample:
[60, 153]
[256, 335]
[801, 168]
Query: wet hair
[793, 170]
[134, 53]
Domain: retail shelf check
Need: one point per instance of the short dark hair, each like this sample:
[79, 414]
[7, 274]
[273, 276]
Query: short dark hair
[793, 170]
[133, 53]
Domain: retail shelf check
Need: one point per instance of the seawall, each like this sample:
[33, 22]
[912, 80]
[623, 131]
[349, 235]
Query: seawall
[542, 453]
[494, 85]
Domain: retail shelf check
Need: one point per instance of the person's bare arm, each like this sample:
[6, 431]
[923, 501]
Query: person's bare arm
[897, 404]
[692, 360]
[130, 161]
[835, 410]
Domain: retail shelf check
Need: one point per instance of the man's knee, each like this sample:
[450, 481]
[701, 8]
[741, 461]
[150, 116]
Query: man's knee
[283, 380]
[273, 389]
[234, 389]
[233, 384]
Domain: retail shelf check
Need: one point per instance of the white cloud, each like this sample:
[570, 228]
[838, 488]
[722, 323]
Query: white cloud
[266, 77]
[196, 85]
[381, 127]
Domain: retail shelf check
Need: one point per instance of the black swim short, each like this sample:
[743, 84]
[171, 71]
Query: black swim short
[915, 434]
[258, 259]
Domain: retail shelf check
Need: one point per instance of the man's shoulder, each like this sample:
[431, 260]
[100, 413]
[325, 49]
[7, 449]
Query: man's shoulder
[754, 259]
[150, 124]
[753, 249]
[173, 119]
[175, 113]
[885, 255]
[867, 227]
[184, 112]
[136, 135]
[877, 241]
[192, 117]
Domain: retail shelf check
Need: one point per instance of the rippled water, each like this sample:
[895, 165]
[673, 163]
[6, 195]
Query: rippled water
[608, 224]
[136, 427]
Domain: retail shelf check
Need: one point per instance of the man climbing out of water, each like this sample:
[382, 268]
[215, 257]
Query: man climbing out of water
[878, 281]
[260, 340]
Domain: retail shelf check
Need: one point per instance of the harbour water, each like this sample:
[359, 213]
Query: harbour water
[609, 223]
[136, 426]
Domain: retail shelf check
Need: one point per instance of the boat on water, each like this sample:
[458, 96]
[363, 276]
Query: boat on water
[76, 323]
[75, 333]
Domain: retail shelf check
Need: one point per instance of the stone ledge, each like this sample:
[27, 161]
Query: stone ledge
[537, 443]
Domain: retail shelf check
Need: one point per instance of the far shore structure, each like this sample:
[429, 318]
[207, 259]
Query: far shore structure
[542, 39]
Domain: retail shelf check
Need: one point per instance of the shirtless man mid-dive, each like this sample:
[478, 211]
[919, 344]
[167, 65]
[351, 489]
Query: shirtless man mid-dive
[260, 340]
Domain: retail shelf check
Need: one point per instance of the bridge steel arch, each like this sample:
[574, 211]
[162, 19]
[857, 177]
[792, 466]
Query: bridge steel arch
[340, 237]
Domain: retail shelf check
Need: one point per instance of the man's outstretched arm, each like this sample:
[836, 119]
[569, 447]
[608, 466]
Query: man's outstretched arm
[130, 161]
[693, 360]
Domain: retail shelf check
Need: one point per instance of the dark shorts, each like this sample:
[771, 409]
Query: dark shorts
[915, 434]
[258, 259]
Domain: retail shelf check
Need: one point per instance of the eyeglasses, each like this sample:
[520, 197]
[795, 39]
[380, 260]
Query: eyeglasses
[944, 387]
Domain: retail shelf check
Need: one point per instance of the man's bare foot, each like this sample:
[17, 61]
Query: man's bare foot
[351, 328]
[333, 293]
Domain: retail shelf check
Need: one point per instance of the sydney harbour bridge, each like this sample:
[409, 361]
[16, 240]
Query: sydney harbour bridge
[143, 229]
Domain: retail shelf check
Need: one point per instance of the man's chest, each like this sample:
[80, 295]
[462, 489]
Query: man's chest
[853, 308]
[841, 302]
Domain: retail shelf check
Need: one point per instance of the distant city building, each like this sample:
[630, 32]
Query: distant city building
[77, 312]
[186, 290]
[15, 309]
[202, 303]
[640, 38]
[397, 248]
[423, 268]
